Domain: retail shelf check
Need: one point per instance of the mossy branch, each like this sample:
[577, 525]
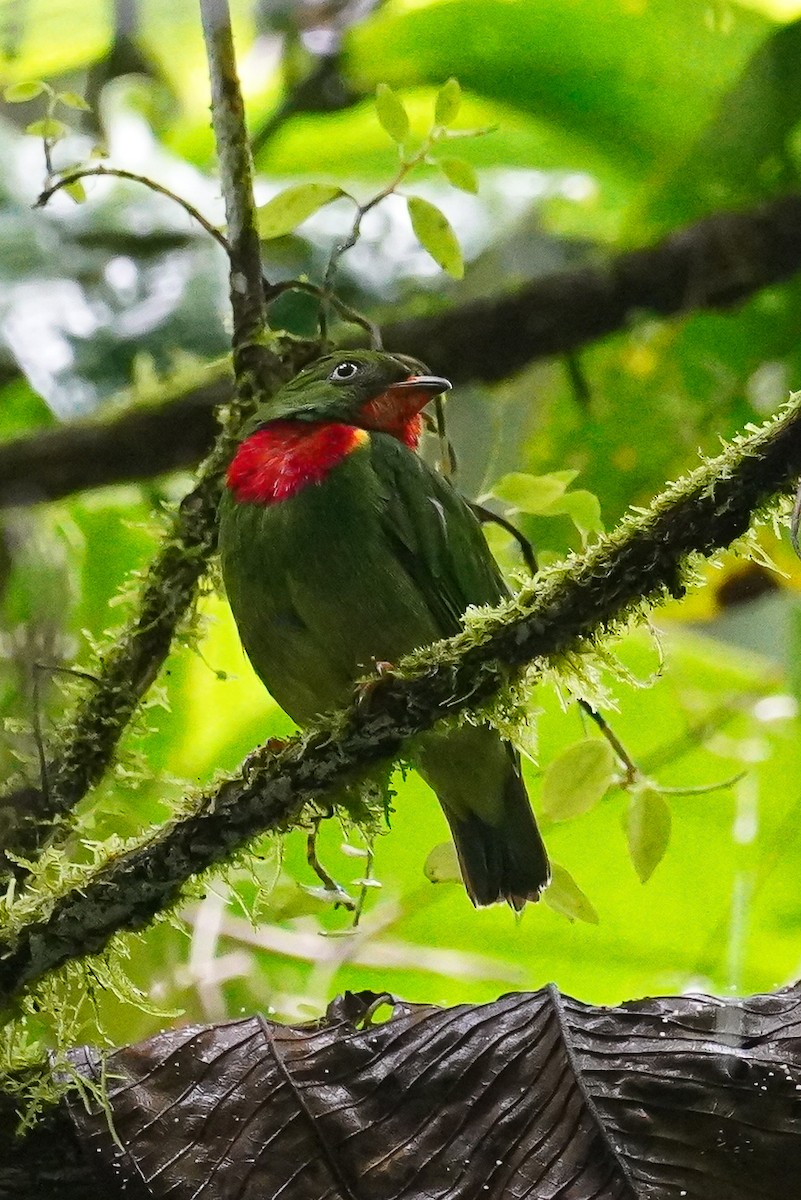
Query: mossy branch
[89, 739]
[562, 612]
[236, 176]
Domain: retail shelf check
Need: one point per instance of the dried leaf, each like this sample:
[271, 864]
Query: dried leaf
[531, 1095]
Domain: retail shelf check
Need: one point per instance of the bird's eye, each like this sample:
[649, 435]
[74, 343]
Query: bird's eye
[343, 371]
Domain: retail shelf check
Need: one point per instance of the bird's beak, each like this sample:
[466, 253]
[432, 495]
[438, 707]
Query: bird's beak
[414, 393]
[429, 385]
[396, 409]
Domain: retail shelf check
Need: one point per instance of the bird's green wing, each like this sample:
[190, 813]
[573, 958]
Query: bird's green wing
[434, 535]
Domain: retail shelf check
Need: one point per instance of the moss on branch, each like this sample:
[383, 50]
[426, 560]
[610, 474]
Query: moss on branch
[563, 612]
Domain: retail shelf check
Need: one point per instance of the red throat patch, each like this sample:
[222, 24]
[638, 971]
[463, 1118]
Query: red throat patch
[277, 462]
[382, 414]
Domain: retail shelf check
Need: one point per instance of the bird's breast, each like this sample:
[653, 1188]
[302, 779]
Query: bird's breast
[285, 457]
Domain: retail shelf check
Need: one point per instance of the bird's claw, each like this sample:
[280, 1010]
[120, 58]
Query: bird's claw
[262, 755]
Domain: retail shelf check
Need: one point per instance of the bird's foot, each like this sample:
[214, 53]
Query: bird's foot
[262, 755]
[366, 690]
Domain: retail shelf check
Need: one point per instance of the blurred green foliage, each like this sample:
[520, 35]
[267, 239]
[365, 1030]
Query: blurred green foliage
[617, 120]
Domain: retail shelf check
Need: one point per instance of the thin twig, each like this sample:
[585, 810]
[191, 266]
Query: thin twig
[701, 789]
[447, 454]
[487, 516]
[406, 166]
[485, 339]
[364, 887]
[118, 173]
[632, 771]
[338, 893]
[273, 290]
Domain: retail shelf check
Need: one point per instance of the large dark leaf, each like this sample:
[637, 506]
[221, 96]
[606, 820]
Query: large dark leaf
[534, 1095]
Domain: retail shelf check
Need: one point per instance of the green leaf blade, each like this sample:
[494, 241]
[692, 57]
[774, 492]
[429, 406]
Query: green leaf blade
[448, 102]
[76, 190]
[584, 510]
[293, 206]
[442, 865]
[576, 780]
[534, 494]
[434, 233]
[20, 93]
[565, 897]
[48, 128]
[73, 100]
[647, 823]
[391, 113]
[459, 174]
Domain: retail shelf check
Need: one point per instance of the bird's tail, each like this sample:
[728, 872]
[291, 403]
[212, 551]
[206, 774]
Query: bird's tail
[500, 849]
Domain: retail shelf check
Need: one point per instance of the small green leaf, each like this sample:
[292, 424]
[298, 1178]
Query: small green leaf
[442, 865]
[584, 510]
[460, 174]
[291, 207]
[647, 823]
[391, 113]
[435, 235]
[18, 93]
[533, 493]
[449, 100]
[75, 189]
[73, 100]
[565, 897]
[48, 128]
[576, 780]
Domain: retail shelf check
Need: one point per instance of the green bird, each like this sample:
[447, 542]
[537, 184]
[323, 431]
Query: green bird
[341, 549]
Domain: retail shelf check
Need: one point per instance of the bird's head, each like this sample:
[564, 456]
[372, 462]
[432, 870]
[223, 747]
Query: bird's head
[370, 389]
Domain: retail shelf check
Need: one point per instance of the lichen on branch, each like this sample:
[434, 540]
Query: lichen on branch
[564, 612]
